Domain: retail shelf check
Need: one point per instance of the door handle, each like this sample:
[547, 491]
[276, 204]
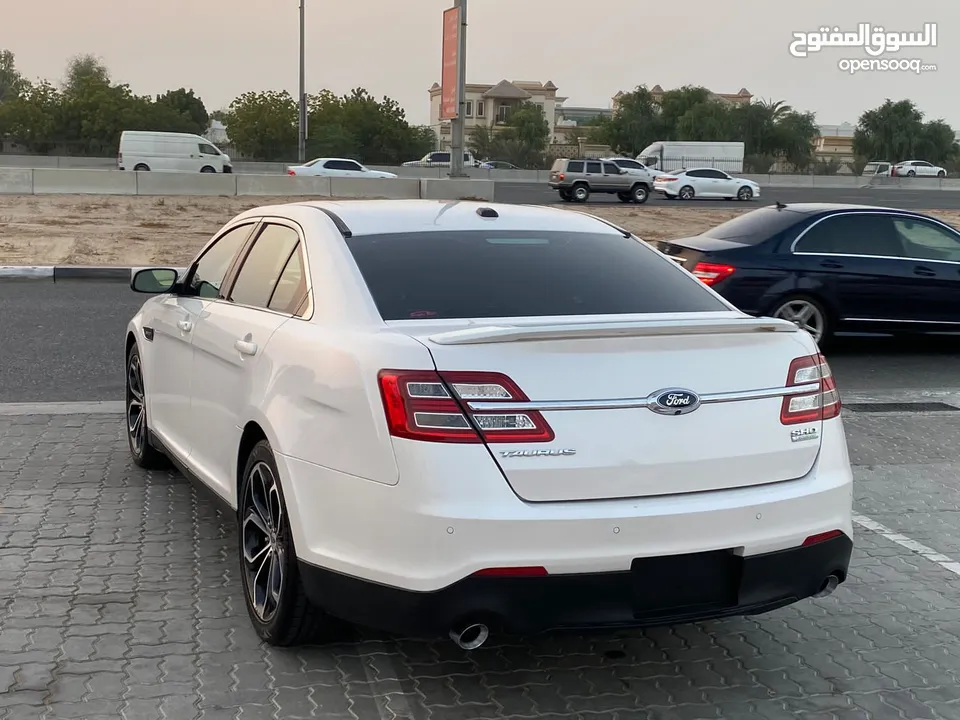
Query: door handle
[185, 325]
[830, 264]
[245, 347]
[923, 272]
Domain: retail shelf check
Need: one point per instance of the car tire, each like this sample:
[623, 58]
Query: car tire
[941, 174]
[744, 194]
[278, 606]
[207, 169]
[686, 193]
[566, 196]
[624, 197]
[141, 168]
[788, 308]
[144, 454]
[581, 193]
[640, 193]
[911, 173]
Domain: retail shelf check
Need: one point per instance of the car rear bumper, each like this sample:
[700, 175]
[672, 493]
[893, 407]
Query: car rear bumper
[657, 591]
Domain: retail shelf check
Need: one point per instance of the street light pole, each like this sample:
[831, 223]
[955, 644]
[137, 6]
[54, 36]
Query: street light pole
[303, 86]
[457, 144]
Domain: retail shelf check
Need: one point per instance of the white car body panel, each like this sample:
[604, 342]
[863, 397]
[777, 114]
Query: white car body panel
[336, 167]
[170, 152]
[421, 515]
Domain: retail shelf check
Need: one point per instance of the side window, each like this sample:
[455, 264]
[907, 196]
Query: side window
[263, 265]
[208, 149]
[853, 234]
[350, 165]
[575, 166]
[610, 169]
[440, 157]
[207, 277]
[697, 173]
[924, 240]
[594, 167]
[292, 286]
[717, 174]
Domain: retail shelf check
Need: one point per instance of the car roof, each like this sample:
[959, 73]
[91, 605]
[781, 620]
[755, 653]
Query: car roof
[377, 217]
[815, 208]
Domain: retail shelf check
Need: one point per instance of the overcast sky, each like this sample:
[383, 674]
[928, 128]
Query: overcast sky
[589, 49]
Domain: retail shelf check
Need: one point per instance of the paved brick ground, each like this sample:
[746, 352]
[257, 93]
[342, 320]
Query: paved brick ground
[119, 597]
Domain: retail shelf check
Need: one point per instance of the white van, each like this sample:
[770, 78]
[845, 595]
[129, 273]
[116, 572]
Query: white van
[170, 152]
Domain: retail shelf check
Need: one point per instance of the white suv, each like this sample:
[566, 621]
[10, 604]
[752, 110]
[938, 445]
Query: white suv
[434, 417]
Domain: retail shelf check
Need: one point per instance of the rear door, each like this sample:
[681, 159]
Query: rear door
[593, 172]
[593, 391]
[857, 260]
[933, 253]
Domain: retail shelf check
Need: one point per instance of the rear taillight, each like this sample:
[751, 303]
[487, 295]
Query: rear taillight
[711, 273]
[290, 172]
[666, 178]
[560, 176]
[432, 406]
[822, 404]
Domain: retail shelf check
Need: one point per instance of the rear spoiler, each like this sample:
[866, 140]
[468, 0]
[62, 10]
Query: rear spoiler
[633, 328]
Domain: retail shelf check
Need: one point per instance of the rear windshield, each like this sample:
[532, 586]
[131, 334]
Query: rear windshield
[756, 226]
[483, 274]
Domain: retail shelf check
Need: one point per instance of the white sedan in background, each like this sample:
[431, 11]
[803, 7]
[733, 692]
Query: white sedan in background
[336, 167]
[405, 451]
[705, 183]
[918, 168]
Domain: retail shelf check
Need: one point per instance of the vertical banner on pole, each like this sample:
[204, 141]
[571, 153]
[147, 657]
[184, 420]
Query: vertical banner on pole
[449, 101]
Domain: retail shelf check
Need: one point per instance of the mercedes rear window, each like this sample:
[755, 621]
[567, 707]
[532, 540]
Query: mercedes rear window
[756, 226]
[484, 274]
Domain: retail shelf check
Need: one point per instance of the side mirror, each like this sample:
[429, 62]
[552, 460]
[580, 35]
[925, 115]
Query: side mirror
[154, 281]
[623, 171]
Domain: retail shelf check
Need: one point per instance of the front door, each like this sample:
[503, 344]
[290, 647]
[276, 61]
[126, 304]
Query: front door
[170, 381]
[933, 251]
[615, 179]
[229, 341]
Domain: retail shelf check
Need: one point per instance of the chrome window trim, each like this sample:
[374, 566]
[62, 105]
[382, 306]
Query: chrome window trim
[888, 213]
[645, 402]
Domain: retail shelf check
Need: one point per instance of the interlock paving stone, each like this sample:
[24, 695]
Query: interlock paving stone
[120, 598]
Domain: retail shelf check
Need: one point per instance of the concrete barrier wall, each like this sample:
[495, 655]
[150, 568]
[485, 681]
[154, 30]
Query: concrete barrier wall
[14, 181]
[457, 189]
[277, 185]
[390, 188]
[51, 181]
[157, 183]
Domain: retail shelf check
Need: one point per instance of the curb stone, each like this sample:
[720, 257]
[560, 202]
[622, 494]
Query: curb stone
[70, 272]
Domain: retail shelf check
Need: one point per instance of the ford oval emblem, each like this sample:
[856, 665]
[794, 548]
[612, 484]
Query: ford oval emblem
[674, 401]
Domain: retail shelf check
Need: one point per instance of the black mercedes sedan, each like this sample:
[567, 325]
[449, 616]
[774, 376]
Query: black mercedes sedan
[832, 268]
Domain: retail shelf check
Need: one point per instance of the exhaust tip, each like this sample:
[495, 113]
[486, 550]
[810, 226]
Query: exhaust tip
[829, 585]
[471, 637]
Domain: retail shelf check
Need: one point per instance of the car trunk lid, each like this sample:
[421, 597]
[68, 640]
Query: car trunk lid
[661, 405]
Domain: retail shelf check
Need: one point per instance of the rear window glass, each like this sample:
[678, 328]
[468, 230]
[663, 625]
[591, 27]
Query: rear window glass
[483, 274]
[557, 165]
[756, 226]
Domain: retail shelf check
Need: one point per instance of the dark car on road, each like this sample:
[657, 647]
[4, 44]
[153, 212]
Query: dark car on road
[832, 268]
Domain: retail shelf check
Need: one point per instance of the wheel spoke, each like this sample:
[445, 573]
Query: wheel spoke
[259, 496]
[259, 584]
[276, 578]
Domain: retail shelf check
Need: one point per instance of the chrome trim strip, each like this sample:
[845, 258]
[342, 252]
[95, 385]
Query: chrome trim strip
[646, 402]
[912, 322]
[879, 211]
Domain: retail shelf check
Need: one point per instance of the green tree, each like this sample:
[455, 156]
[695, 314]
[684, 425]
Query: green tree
[12, 83]
[892, 131]
[528, 125]
[635, 124]
[187, 105]
[263, 125]
[794, 134]
[710, 121]
[32, 119]
[674, 104]
[85, 72]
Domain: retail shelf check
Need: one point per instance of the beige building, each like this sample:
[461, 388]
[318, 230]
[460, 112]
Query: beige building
[491, 105]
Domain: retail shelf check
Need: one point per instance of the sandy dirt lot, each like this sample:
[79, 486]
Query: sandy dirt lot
[110, 230]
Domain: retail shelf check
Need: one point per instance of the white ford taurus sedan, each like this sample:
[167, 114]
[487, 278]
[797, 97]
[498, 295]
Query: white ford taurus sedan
[463, 418]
